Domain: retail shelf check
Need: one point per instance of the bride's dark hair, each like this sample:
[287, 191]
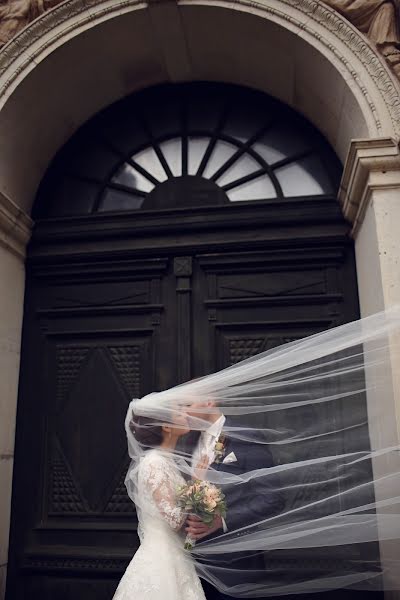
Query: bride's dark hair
[145, 431]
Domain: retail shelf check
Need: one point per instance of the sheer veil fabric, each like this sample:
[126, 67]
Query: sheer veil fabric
[310, 465]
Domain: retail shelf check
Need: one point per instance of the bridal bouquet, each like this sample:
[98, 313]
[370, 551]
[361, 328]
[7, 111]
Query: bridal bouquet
[203, 499]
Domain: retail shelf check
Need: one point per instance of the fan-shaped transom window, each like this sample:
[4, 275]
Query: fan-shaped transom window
[189, 145]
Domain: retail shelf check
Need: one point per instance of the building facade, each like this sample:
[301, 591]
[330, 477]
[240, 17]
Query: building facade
[130, 287]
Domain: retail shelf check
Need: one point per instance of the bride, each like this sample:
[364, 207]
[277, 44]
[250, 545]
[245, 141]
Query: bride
[161, 568]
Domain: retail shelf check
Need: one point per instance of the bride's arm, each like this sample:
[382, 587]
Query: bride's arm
[158, 478]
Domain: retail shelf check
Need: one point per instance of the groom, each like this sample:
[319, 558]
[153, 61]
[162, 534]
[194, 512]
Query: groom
[250, 503]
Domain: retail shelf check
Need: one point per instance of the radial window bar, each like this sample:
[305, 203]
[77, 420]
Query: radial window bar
[265, 166]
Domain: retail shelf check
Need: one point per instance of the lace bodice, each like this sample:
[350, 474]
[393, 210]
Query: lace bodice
[158, 481]
[161, 569]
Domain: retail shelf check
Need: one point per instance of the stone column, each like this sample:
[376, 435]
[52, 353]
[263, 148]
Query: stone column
[15, 228]
[370, 197]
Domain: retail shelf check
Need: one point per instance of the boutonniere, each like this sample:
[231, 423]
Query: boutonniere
[220, 449]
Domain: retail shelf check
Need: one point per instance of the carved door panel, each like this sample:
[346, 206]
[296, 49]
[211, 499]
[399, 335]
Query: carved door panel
[92, 342]
[246, 303]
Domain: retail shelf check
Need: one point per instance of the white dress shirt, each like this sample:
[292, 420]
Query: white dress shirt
[207, 441]
[206, 447]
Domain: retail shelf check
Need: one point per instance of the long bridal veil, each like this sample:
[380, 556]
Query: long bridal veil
[316, 419]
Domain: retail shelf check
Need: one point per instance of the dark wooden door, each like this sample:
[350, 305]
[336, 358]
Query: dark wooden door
[97, 335]
[162, 251]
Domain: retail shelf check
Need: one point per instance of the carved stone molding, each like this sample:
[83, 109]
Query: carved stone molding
[16, 14]
[377, 19]
[311, 19]
[371, 165]
[15, 227]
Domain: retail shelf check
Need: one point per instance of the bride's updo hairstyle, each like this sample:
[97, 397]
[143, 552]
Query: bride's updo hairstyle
[145, 432]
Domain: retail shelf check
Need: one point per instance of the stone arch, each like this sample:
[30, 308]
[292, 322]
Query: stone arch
[350, 93]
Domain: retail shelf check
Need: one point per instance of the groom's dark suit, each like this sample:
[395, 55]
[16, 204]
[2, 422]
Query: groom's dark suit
[248, 503]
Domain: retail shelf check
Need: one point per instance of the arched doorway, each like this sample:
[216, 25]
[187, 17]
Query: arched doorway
[183, 229]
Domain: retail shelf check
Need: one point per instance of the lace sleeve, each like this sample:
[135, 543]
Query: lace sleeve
[158, 479]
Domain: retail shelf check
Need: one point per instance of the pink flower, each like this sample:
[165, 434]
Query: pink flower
[211, 498]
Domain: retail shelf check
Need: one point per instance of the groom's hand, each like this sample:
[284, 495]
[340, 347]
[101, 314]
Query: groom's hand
[198, 530]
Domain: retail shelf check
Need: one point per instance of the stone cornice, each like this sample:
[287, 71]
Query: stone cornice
[370, 165]
[15, 227]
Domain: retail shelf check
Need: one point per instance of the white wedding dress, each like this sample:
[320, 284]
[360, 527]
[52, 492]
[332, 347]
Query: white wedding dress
[161, 569]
